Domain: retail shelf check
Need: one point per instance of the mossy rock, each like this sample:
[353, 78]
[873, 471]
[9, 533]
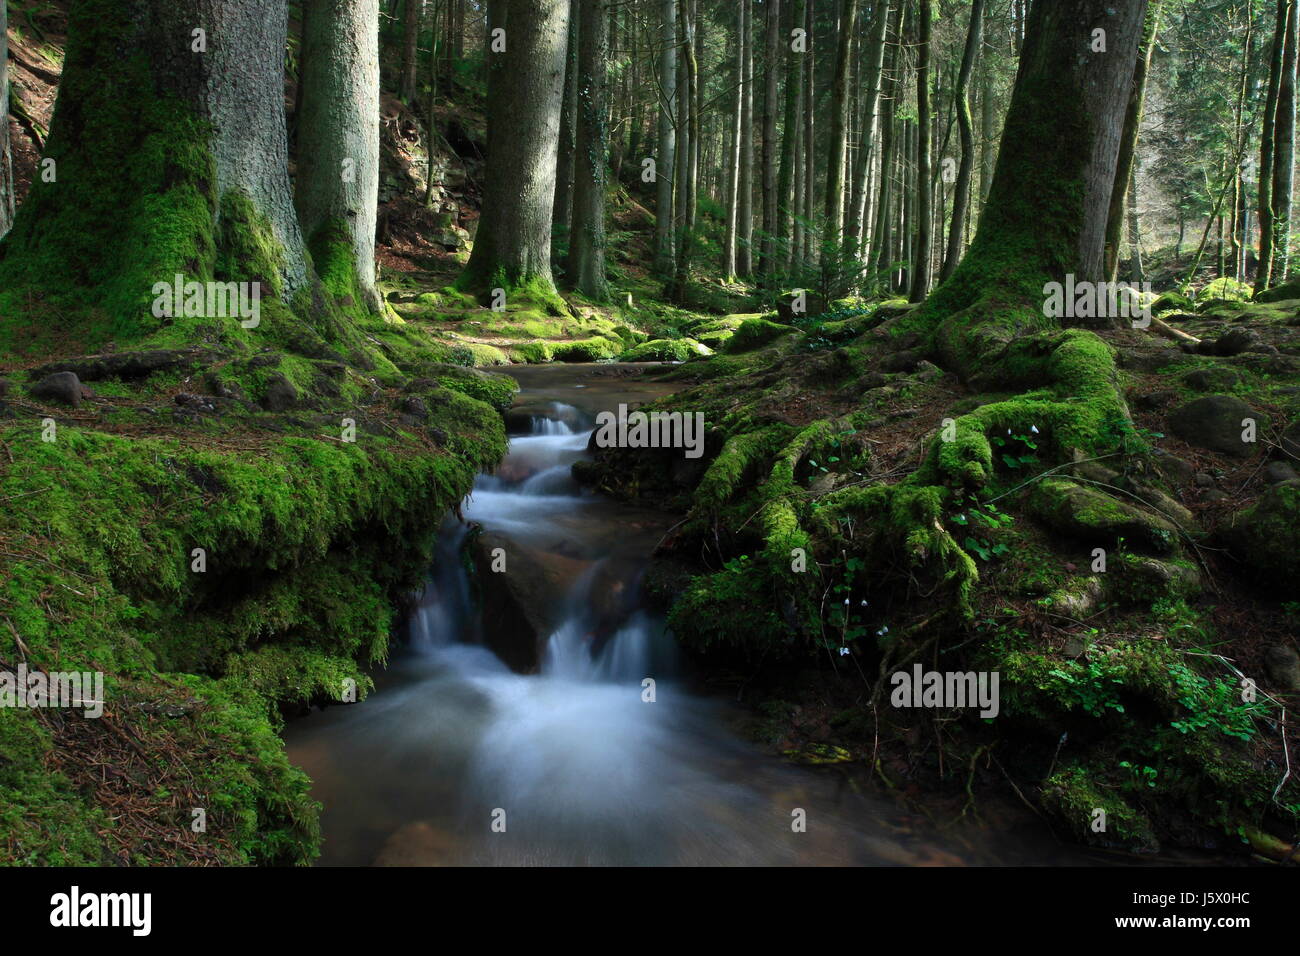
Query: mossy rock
[497, 390]
[1090, 515]
[665, 350]
[1280, 293]
[1172, 301]
[595, 349]
[1218, 423]
[1266, 537]
[755, 333]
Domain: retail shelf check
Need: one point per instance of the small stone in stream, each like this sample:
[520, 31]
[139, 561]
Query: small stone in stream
[1277, 472]
[280, 394]
[1283, 666]
[62, 387]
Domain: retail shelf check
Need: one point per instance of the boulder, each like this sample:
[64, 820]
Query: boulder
[1266, 537]
[1214, 378]
[61, 387]
[1215, 422]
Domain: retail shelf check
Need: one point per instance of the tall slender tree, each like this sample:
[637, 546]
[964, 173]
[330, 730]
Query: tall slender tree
[586, 265]
[666, 154]
[924, 194]
[337, 186]
[771, 74]
[6, 160]
[961, 192]
[839, 135]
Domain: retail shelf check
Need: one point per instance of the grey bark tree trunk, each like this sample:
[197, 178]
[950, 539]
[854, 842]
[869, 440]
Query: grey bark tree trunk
[205, 126]
[525, 92]
[786, 196]
[337, 185]
[586, 265]
[666, 158]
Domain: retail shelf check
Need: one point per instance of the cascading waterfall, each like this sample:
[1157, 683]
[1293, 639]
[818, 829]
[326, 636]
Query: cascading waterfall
[601, 757]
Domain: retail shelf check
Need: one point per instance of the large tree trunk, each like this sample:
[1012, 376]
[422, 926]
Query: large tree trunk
[839, 122]
[1267, 149]
[1061, 140]
[586, 265]
[809, 200]
[209, 161]
[880, 233]
[665, 161]
[337, 185]
[525, 93]
[6, 161]
[920, 285]
[1284, 151]
[961, 193]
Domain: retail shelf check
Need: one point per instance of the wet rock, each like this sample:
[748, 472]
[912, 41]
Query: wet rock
[519, 607]
[1215, 422]
[1283, 667]
[61, 387]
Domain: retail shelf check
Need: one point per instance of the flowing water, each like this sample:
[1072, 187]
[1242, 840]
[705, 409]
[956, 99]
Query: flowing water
[455, 759]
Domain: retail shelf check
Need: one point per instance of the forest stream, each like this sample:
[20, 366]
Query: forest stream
[585, 771]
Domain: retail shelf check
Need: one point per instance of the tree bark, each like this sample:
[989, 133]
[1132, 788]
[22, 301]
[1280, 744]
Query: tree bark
[337, 186]
[564, 163]
[880, 233]
[770, 146]
[665, 161]
[839, 122]
[207, 135]
[745, 204]
[786, 196]
[1128, 143]
[924, 196]
[586, 266]
[961, 192]
[7, 202]
[1267, 149]
[856, 226]
[729, 270]
[1060, 140]
[411, 15]
[1284, 152]
[525, 93]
